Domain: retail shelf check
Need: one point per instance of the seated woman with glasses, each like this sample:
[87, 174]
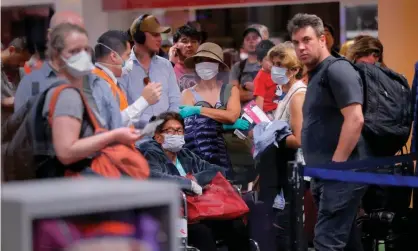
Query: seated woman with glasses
[168, 160]
[206, 110]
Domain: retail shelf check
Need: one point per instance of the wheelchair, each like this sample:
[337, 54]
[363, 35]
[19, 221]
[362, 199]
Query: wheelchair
[182, 229]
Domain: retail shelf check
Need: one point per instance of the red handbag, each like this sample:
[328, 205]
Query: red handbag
[219, 201]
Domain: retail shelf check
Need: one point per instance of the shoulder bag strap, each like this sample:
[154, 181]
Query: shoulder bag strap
[241, 70]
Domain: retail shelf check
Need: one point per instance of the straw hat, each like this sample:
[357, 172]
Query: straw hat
[207, 50]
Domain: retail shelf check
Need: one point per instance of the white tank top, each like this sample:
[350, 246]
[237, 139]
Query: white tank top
[283, 110]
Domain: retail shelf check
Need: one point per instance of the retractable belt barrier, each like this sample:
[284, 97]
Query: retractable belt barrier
[359, 171]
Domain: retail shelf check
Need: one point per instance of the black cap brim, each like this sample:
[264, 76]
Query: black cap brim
[250, 30]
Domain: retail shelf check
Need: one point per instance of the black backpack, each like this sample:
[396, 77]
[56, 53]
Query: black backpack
[25, 144]
[387, 108]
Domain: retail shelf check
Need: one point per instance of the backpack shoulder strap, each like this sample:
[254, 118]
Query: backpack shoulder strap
[241, 69]
[226, 90]
[324, 77]
[87, 108]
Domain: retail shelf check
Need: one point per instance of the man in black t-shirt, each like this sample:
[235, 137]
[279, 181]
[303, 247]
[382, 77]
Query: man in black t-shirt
[331, 132]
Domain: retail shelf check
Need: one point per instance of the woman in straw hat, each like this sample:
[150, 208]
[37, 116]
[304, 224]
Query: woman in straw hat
[206, 109]
[205, 114]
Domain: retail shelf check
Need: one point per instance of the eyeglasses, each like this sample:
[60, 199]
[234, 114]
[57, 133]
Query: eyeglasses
[173, 131]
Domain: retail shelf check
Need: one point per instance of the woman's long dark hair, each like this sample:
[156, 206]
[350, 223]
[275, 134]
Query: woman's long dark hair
[365, 45]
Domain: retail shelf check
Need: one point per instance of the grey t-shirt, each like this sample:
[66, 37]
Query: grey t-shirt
[69, 103]
[322, 118]
[249, 72]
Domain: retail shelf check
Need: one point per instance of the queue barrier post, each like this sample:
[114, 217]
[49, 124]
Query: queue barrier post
[296, 187]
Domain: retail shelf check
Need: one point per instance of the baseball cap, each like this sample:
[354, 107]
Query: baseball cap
[249, 30]
[263, 48]
[149, 24]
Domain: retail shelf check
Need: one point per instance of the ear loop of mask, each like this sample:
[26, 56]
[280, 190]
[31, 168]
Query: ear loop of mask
[123, 64]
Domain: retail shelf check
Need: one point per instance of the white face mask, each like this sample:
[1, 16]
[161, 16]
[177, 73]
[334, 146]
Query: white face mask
[243, 56]
[278, 75]
[123, 61]
[173, 142]
[207, 70]
[79, 64]
[128, 66]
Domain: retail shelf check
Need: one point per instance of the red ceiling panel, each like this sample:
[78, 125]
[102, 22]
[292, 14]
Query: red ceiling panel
[146, 4]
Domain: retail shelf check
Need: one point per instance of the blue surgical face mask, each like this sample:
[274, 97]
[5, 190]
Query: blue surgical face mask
[173, 142]
[278, 75]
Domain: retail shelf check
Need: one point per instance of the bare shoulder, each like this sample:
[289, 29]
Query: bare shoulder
[187, 97]
[297, 99]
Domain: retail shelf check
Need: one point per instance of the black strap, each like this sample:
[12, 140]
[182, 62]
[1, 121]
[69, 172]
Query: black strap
[225, 94]
[241, 70]
[35, 88]
[325, 83]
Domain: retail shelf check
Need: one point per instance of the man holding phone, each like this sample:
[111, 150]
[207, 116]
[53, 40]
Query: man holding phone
[145, 68]
[187, 40]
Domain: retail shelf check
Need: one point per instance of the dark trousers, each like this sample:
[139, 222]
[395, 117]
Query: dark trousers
[338, 204]
[233, 233]
[281, 228]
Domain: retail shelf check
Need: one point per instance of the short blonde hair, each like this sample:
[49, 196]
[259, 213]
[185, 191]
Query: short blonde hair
[345, 47]
[56, 43]
[287, 55]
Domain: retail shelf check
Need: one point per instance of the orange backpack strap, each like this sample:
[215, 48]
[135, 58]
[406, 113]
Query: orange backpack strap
[123, 101]
[87, 108]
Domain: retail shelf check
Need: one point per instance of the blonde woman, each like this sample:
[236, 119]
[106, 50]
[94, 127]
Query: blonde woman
[345, 47]
[287, 71]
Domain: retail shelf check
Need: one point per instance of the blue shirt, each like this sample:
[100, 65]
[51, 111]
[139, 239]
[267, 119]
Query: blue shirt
[107, 105]
[160, 71]
[180, 168]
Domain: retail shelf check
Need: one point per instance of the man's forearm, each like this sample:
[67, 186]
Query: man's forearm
[349, 137]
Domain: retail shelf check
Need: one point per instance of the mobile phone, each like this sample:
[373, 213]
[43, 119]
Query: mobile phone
[150, 128]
